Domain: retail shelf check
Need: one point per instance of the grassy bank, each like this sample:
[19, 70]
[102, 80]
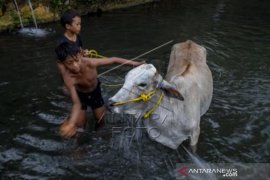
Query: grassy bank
[51, 10]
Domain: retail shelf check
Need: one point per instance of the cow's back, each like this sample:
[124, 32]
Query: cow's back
[183, 56]
[188, 70]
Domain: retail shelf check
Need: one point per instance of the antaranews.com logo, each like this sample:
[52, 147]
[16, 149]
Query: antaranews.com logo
[223, 171]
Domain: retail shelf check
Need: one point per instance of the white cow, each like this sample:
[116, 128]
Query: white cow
[172, 108]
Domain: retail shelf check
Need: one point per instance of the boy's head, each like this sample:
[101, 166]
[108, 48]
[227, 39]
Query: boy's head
[69, 55]
[71, 21]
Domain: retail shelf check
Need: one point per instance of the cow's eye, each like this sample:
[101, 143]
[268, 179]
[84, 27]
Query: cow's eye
[142, 85]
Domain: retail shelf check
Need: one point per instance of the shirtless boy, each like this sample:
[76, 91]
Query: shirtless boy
[80, 78]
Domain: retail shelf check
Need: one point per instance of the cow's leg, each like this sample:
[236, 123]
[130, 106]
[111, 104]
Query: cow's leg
[194, 138]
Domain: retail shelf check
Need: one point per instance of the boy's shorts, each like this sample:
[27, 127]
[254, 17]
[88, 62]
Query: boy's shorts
[93, 99]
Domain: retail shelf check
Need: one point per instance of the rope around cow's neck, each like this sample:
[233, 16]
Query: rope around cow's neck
[144, 97]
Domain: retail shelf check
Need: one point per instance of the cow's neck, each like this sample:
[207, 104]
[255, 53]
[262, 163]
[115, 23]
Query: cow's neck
[153, 103]
[162, 107]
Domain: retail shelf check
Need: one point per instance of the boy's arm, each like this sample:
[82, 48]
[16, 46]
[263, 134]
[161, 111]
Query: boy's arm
[112, 60]
[68, 80]
[68, 128]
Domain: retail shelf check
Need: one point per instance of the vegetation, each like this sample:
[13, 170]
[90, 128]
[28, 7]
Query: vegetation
[50, 10]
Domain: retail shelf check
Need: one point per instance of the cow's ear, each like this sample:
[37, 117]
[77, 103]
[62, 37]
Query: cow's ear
[170, 90]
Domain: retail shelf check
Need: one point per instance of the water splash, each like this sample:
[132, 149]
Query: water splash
[33, 32]
[36, 32]
[199, 163]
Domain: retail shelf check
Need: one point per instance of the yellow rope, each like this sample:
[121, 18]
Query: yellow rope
[148, 113]
[144, 97]
[93, 53]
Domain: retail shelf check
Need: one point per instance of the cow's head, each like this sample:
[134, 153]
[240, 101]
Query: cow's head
[143, 79]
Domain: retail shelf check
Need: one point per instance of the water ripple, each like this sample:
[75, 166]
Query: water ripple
[41, 144]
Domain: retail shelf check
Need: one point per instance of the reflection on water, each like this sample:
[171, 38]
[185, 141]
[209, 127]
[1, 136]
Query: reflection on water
[235, 129]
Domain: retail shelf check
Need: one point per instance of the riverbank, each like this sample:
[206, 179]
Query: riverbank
[50, 10]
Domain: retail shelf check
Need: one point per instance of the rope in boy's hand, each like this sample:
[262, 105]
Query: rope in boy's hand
[92, 53]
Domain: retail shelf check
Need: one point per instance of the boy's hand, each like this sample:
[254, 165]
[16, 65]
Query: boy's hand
[84, 52]
[67, 129]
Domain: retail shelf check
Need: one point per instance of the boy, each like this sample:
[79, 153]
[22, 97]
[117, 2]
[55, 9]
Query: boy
[71, 21]
[80, 77]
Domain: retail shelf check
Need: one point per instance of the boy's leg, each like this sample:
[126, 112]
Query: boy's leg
[81, 138]
[99, 116]
[81, 121]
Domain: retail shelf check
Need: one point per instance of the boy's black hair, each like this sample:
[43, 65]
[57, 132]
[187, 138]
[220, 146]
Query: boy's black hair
[67, 17]
[66, 49]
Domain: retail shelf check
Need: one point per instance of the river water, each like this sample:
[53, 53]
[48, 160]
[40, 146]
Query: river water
[236, 128]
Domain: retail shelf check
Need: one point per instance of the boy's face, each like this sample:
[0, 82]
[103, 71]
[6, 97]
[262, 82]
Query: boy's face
[75, 26]
[73, 63]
